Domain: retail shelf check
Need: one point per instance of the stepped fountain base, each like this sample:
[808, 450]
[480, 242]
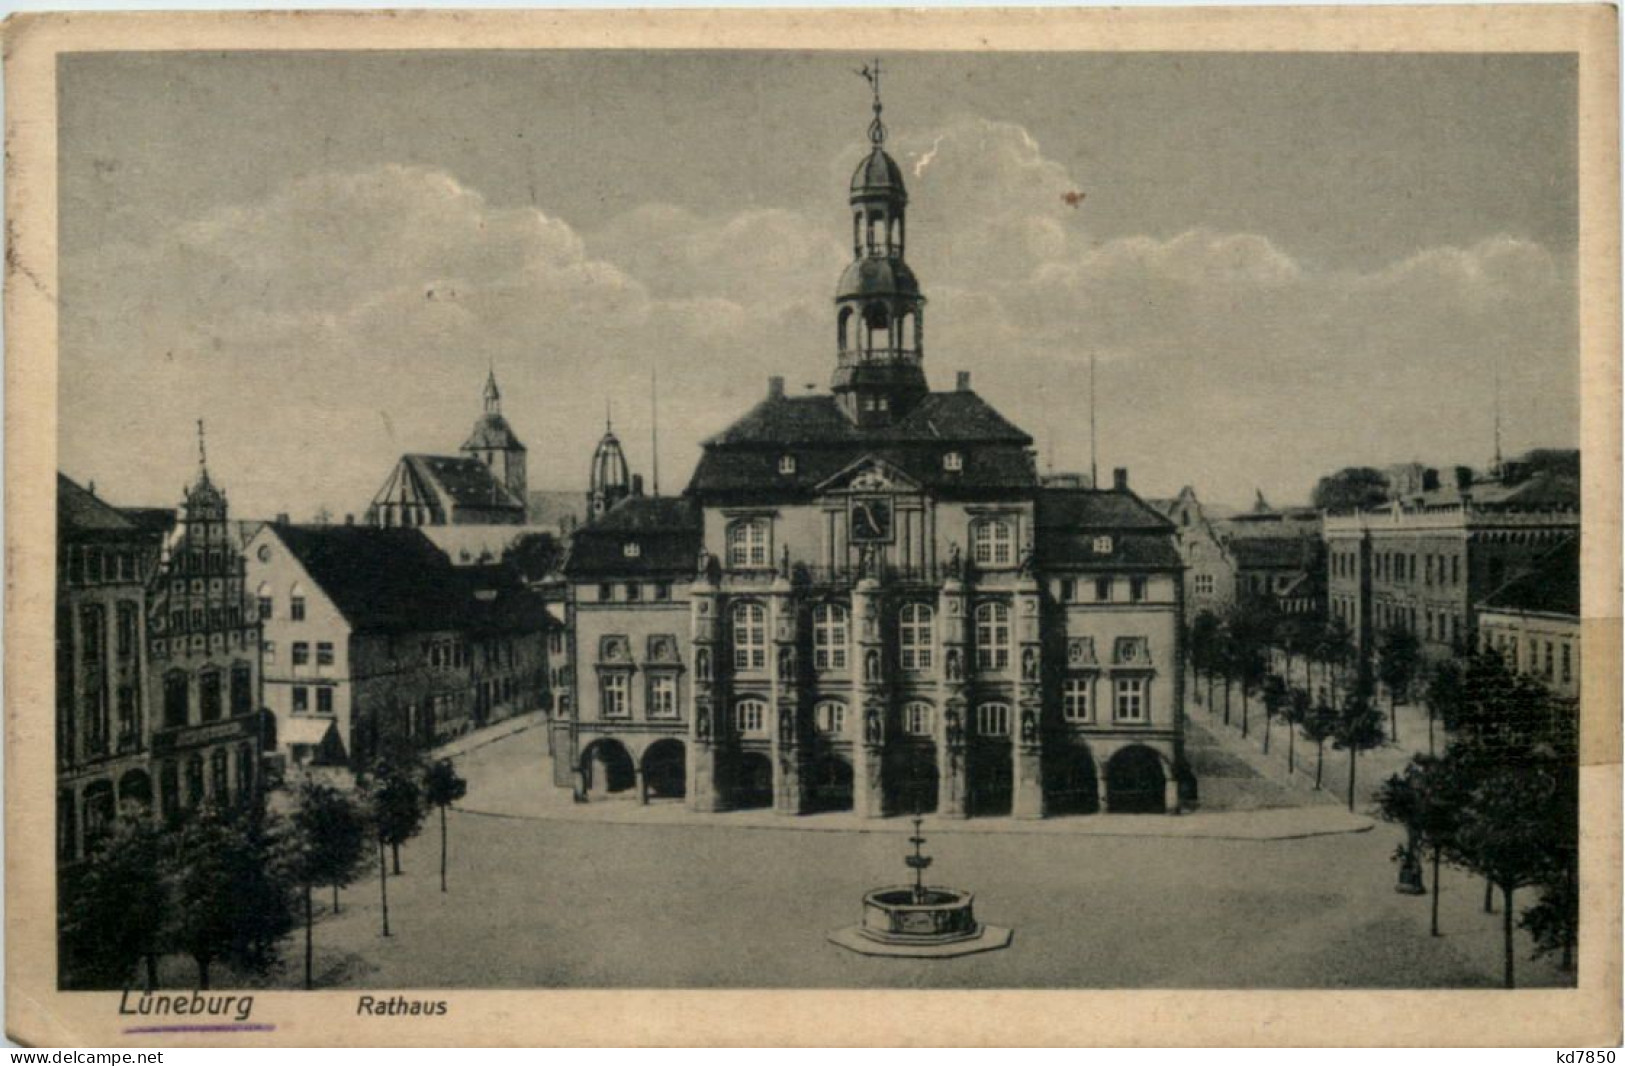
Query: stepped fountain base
[914, 923]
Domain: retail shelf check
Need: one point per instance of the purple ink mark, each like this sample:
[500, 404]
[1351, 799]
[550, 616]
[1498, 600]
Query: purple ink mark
[227, 1028]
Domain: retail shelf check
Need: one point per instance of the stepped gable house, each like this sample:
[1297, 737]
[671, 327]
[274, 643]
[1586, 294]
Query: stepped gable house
[866, 600]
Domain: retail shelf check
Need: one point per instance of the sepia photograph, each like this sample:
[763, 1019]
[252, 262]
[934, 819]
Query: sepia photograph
[514, 529]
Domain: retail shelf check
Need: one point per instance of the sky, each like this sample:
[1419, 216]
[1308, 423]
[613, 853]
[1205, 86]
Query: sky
[1281, 265]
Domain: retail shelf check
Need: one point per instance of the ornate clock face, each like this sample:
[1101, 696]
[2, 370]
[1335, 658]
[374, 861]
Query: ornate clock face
[871, 519]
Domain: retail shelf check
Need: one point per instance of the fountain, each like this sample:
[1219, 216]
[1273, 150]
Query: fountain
[919, 921]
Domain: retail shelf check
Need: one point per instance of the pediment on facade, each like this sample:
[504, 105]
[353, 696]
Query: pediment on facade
[870, 474]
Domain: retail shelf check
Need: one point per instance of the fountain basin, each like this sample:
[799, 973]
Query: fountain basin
[941, 924]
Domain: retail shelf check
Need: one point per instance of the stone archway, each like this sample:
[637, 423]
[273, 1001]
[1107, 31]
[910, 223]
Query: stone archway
[829, 784]
[1135, 782]
[607, 769]
[665, 770]
[991, 782]
[135, 787]
[1071, 785]
[912, 778]
[752, 781]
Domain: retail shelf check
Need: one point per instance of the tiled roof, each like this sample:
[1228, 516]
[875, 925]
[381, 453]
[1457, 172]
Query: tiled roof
[739, 473]
[395, 580]
[1107, 509]
[1129, 551]
[939, 417]
[1270, 553]
[1552, 587]
[492, 431]
[666, 529]
[1076, 525]
[78, 513]
[463, 480]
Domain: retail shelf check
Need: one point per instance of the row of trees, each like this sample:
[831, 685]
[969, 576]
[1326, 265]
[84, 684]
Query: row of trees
[1502, 801]
[227, 885]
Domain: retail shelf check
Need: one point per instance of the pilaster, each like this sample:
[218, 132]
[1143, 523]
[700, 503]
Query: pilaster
[704, 792]
[1027, 799]
[951, 722]
[785, 708]
[869, 683]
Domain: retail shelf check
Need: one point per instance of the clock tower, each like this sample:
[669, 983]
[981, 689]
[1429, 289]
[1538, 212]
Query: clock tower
[878, 305]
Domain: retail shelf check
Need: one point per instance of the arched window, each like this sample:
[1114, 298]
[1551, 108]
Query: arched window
[194, 781]
[210, 703]
[844, 332]
[830, 715]
[993, 543]
[242, 688]
[915, 637]
[993, 720]
[296, 603]
[992, 636]
[219, 783]
[750, 636]
[876, 328]
[917, 718]
[750, 717]
[829, 637]
[748, 543]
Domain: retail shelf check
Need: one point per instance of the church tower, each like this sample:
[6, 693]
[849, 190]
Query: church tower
[610, 481]
[493, 442]
[878, 305]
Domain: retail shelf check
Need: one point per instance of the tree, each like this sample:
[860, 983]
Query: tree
[1336, 650]
[442, 787]
[1204, 645]
[328, 834]
[1352, 488]
[114, 907]
[1443, 696]
[1505, 835]
[1356, 728]
[1427, 800]
[1248, 625]
[398, 804]
[1318, 726]
[1297, 711]
[1399, 660]
[232, 898]
[1275, 701]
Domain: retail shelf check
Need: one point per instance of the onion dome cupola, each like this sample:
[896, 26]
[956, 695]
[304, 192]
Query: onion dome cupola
[205, 504]
[878, 305]
[610, 481]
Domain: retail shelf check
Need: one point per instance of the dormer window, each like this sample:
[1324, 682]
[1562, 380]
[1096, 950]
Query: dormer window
[631, 549]
[1103, 545]
[787, 464]
[953, 462]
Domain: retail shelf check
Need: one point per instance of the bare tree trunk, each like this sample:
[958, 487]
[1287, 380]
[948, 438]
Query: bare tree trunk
[309, 952]
[335, 897]
[395, 852]
[1353, 758]
[1243, 710]
[1320, 761]
[1227, 701]
[1291, 748]
[1393, 717]
[1489, 896]
[1506, 928]
[1430, 729]
[442, 848]
[1267, 717]
[1435, 928]
[383, 884]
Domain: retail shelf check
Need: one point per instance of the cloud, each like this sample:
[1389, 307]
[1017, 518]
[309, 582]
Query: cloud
[350, 317]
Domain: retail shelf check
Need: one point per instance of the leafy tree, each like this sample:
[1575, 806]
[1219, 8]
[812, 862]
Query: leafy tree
[1249, 625]
[232, 897]
[328, 836]
[1204, 648]
[1356, 728]
[1275, 701]
[1427, 800]
[114, 907]
[398, 802]
[1350, 489]
[1443, 696]
[1296, 712]
[1335, 649]
[442, 787]
[1399, 660]
[1319, 725]
[1505, 835]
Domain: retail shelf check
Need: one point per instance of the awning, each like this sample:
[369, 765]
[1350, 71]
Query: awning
[311, 731]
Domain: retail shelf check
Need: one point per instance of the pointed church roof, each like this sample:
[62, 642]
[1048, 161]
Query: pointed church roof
[492, 433]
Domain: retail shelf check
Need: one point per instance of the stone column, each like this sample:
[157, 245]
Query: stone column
[786, 723]
[1026, 772]
[704, 792]
[951, 721]
[1170, 792]
[868, 684]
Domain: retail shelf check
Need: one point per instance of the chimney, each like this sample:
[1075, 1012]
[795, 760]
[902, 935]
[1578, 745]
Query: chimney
[1120, 479]
[1430, 480]
[962, 382]
[637, 479]
[1464, 478]
[349, 519]
[282, 518]
[91, 487]
[775, 388]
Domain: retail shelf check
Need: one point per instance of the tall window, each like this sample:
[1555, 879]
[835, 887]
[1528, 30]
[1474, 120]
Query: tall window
[324, 700]
[750, 716]
[993, 720]
[1568, 664]
[301, 699]
[296, 606]
[129, 717]
[176, 698]
[993, 543]
[91, 636]
[263, 596]
[324, 654]
[1075, 698]
[245, 770]
[1103, 589]
[992, 636]
[1136, 589]
[829, 637]
[194, 781]
[750, 636]
[1130, 699]
[127, 616]
[831, 717]
[917, 719]
[748, 543]
[242, 688]
[219, 783]
[301, 653]
[662, 696]
[616, 701]
[915, 637]
[209, 700]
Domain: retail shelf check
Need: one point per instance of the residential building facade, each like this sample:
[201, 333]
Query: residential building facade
[1533, 621]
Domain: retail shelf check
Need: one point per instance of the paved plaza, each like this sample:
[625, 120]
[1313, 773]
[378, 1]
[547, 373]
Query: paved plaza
[547, 901]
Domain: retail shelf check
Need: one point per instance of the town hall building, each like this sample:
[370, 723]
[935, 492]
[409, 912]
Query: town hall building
[866, 600]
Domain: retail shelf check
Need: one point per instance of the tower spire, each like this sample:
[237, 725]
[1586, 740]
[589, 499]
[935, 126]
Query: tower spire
[202, 454]
[1498, 417]
[877, 128]
[493, 395]
[654, 424]
[1094, 474]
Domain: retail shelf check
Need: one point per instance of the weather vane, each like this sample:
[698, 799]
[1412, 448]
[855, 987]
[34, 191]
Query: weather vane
[202, 452]
[871, 74]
